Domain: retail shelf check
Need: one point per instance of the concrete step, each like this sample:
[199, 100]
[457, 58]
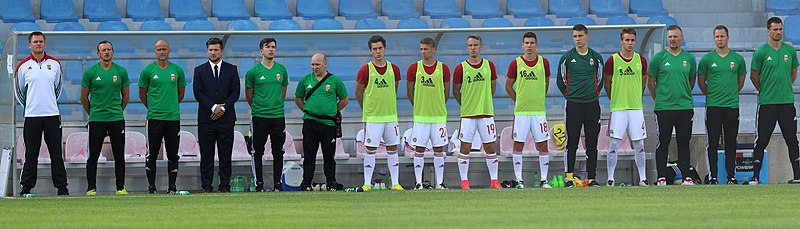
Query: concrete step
[715, 6]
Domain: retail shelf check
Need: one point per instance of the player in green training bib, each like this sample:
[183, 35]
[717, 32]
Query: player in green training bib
[107, 83]
[161, 87]
[720, 75]
[474, 83]
[376, 92]
[625, 78]
[672, 73]
[428, 90]
[526, 84]
[265, 89]
[773, 71]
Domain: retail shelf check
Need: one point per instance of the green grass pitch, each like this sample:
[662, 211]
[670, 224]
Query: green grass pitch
[732, 206]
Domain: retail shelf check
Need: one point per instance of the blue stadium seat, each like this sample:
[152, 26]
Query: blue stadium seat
[199, 25]
[112, 26]
[664, 19]
[399, 9]
[497, 23]
[144, 10]
[155, 26]
[327, 24]
[621, 20]
[413, 23]
[284, 25]
[314, 9]
[482, 9]
[100, 10]
[580, 20]
[26, 26]
[607, 8]
[16, 11]
[524, 8]
[782, 7]
[68, 26]
[187, 10]
[272, 9]
[566, 8]
[356, 9]
[242, 25]
[455, 23]
[539, 21]
[370, 23]
[648, 8]
[57, 11]
[792, 35]
[229, 10]
[440, 9]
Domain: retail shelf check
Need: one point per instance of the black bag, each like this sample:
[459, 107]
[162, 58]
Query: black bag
[337, 120]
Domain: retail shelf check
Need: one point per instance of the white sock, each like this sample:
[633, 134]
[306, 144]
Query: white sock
[369, 167]
[438, 167]
[611, 160]
[419, 164]
[394, 167]
[463, 166]
[544, 166]
[638, 147]
[517, 160]
[491, 164]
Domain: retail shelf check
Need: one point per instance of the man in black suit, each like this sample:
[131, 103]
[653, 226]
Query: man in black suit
[216, 88]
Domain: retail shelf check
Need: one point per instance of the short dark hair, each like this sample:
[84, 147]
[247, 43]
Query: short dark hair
[428, 41]
[476, 37]
[580, 27]
[773, 20]
[36, 33]
[215, 41]
[530, 35]
[674, 27]
[627, 30]
[266, 41]
[104, 42]
[722, 27]
[375, 39]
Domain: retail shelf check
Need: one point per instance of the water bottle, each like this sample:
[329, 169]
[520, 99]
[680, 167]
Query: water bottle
[622, 185]
[536, 178]
[29, 196]
[182, 193]
[252, 184]
[350, 190]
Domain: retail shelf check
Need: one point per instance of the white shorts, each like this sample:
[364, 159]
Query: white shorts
[483, 126]
[386, 131]
[433, 133]
[630, 120]
[535, 125]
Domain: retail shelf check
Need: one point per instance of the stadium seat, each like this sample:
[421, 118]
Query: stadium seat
[15, 11]
[272, 9]
[507, 144]
[155, 26]
[144, 10]
[26, 26]
[782, 7]
[361, 149]
[607, 8]
[199, 25]
[454, 23]
[188, 148]
[112, 26]
[356, 9]
[327, 24]
[441, 9]
[554, 151]
[135, 144]
[524, 8]
[242, 25]
[409, 149]
[648, 8]
[664, 19]
[581, 20]
[284, 25]
[68, 26]
[621, 20]
[229, 10]
[57, 11]
[187, 10]
[370, 23]
[239, 151]
[339, 155]
[76, 148]
[455, 145]
[481, 9]
[399, 9]
[566, 8]
[792, 35]
[413, 23]
[44, 154]
[497, 23]
[314, 9]
[539, 21]
[604, 140]
[289, 151]
[100, 10]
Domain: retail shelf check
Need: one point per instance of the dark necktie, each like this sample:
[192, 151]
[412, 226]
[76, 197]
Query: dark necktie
[216, 71]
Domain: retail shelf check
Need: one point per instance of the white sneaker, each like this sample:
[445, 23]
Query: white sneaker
[688, 181]
[753, 181]
[643, 183]
[544, 184]
[661, 181]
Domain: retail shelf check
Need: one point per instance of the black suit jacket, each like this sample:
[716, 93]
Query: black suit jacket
[209, 90]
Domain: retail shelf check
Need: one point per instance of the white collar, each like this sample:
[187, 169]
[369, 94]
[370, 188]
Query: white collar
[219, 65]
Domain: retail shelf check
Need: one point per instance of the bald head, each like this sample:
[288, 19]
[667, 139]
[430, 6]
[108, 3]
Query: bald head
[161, 49]
[319, 64]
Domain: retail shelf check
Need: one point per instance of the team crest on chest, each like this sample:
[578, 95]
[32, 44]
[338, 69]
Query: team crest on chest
[278, 76]
[591, 61]
[732, 65]
[114, 78]
[785, 59]
[327, 87]
[684, 64]
[172, 77]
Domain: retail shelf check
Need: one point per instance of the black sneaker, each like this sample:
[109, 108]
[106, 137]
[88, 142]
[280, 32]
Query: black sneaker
[568, 184]
[63, 191]
[305, 188]
[426, 184]
[152, 189]
[25, 191]
[506, 184]
[335, 187]
[277, 188]
[753, 181]
[172, 190]
[593, 183]
[259, 186]
[794, 181]
[441, 187]
[733, 181]
[610, 183]
[418, 187]
[713, 181]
